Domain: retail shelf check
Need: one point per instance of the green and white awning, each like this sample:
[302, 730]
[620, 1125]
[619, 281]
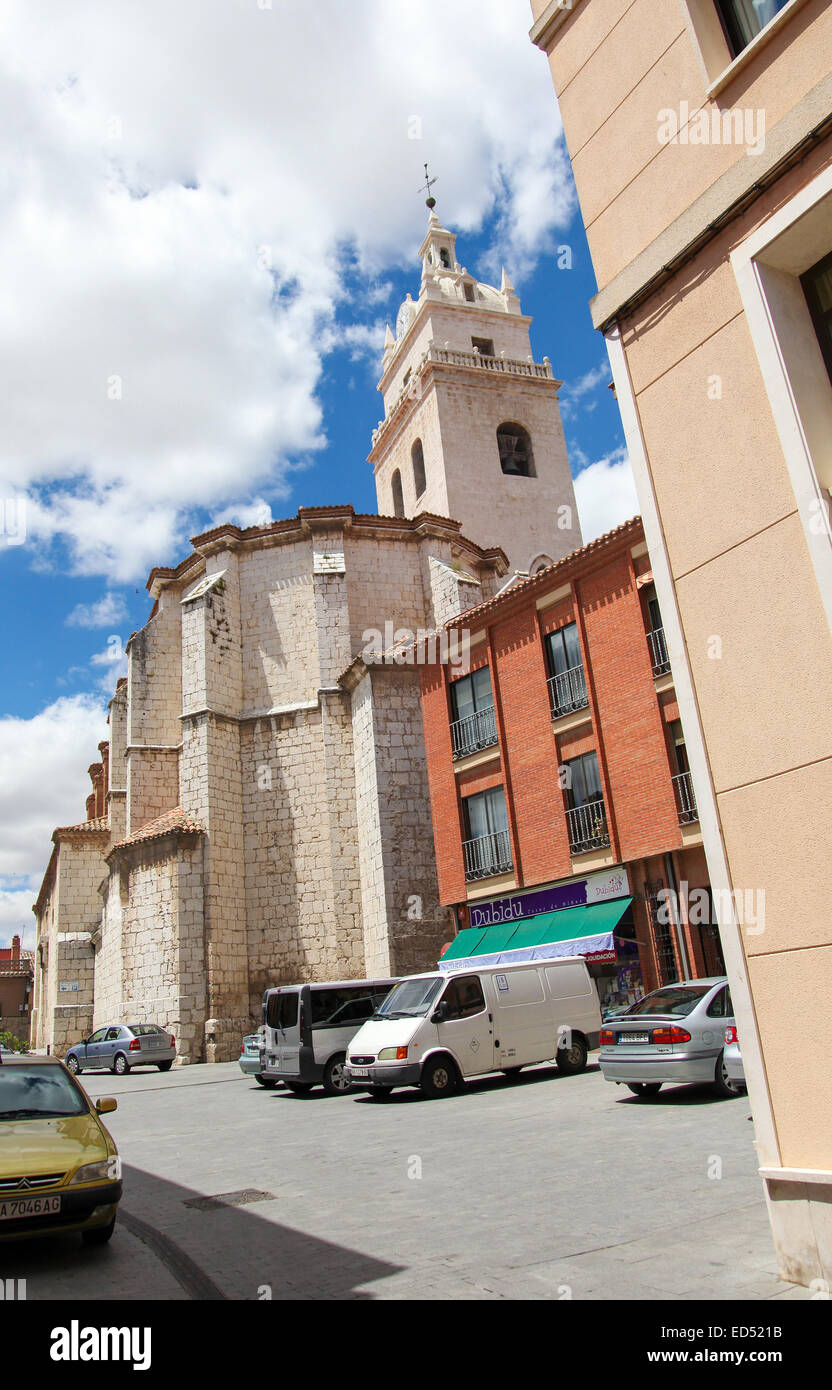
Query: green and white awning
[574, 931]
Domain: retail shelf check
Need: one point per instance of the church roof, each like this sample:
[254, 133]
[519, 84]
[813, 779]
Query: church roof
[174, 822]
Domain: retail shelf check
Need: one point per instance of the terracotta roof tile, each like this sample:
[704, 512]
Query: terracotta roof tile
[100, 823]
[176, 821]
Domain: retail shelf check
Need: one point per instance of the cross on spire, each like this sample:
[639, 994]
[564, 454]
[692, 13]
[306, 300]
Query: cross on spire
[430, 201]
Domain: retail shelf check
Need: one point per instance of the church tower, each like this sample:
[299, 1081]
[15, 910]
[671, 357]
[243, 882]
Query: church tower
[472, 426]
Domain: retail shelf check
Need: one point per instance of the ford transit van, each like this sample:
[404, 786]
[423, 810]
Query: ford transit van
[435, 1030]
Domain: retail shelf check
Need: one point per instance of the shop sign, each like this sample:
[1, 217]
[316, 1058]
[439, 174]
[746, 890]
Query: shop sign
[582, 892]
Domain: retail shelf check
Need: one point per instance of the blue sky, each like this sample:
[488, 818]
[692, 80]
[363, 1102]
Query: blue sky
[210, 212]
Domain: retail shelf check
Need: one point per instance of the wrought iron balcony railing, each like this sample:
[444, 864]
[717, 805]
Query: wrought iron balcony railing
[658, 651]
[475, 731]
[487, 855]
[567, 692]
[685, 799]
[588, 826]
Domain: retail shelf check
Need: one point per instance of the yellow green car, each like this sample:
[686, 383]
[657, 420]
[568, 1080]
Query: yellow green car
[59, 1167]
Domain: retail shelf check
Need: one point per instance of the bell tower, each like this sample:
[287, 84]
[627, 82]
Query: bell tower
[472, 426]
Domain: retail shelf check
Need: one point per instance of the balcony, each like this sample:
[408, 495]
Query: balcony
[588, 826]
[487, 855]
[475, 731]
[685, 799]
[567, 692]
[658, 651]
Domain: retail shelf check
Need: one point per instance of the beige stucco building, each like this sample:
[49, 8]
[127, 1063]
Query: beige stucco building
[701, 139]
[261, 811]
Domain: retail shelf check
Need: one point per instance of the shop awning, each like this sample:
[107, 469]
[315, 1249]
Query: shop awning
[574, 931]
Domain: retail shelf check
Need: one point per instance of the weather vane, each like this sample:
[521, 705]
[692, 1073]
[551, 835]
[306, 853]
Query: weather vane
[430, 201]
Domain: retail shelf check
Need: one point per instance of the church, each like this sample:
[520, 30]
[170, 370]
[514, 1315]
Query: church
[260, 813]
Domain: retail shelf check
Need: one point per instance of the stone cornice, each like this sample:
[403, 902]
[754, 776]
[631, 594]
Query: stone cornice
[556, 13]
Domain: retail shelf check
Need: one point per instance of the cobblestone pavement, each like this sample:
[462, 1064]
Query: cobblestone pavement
[548, 1187]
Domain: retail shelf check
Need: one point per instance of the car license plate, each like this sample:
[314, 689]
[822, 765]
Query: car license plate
[634, 1037]
[359, 1071]
[29, 1206]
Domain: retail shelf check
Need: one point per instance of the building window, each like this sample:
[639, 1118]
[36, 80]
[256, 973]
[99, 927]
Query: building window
[474, 724]
[567, 681]
[659, 658]
[484, 346]
[682, 780]
[487, 847]
[743, 20]
[515, 448]
[417, 455]
[444, 258]
[817, 287]
[585, 815]
[470, 292]
[398, 495]
[542, 562]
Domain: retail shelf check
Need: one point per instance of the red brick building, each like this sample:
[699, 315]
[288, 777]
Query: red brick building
[16, 975]
[557, 770]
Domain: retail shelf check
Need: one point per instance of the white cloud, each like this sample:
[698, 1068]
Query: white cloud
[105, 612]
[605, 494]
[573, 393]
[16, 898]
[43, 761]
[183, 188]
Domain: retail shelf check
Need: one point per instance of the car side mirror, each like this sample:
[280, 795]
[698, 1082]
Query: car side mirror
[440, 1013]
[106, 1104]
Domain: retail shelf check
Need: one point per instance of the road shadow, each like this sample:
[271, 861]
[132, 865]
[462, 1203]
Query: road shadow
[215, 1246]
[687, 1095]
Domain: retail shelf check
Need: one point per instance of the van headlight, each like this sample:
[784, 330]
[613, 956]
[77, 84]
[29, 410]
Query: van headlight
[94, 1172]
[393, 1054]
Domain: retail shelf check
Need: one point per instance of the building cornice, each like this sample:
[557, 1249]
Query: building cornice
[556, 13]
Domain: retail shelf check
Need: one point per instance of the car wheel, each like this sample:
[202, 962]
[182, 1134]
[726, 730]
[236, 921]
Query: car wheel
[723, 1085]
[120, 1066]
[164, 1066]
[73, 1065]
[572, 1059]
[644, 1088]
[100, 1235]
[300, 1088]
[267, 1081]
[439, 1078]
[335, 1079]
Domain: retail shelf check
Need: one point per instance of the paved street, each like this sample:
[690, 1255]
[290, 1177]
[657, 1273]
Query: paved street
[546, 1188]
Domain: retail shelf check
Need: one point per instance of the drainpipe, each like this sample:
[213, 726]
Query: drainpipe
[673, 885]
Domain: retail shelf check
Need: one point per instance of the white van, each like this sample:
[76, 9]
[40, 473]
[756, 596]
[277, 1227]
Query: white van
[434, 1030]
[306, 1029]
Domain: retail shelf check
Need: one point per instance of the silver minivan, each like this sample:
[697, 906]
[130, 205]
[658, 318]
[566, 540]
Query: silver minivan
[307, 1029]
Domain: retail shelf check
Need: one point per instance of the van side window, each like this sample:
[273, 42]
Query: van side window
[464, 997]
[334, 1008]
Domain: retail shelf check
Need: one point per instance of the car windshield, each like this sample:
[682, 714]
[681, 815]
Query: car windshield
[411, 998]
[674, 999]
[29, 1092]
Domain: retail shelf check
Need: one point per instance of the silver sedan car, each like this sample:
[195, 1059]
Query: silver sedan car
[733, 1056]
[251, 1063]
[118, 1047]
[672, 1036]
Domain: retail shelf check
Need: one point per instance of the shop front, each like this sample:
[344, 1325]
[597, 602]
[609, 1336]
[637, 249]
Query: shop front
[592, 917]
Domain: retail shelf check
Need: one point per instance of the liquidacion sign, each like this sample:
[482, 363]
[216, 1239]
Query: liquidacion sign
[612, 883]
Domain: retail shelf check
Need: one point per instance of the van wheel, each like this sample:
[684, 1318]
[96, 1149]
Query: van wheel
[439, 1078]
[644, 1088]
[335, 1079]
[723, 1085]
[300, 1088]
[572, 1059]
[267, 1081]
[164, 1066]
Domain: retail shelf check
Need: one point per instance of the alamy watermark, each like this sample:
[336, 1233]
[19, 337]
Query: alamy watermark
[737, 126]
[709, 907]
[403, 647]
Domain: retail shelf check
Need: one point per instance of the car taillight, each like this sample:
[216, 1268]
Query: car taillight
[172, 1040]
[670, 1035]
[242, 1048]
[730, 1034]
[135, 1046]
[607, 1037]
